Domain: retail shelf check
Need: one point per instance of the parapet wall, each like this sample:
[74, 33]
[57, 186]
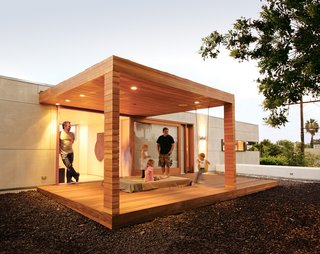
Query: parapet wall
[270, 171]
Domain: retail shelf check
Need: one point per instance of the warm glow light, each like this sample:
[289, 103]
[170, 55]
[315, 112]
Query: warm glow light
[202, 130]
[133, 88]
[57, 104]
[202, 146]
[202, 126]
[67, 100]
[196, 102]
[82, 95]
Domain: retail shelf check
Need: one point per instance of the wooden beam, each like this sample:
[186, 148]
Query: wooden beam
[83, 77]
[85, 90]
[111, 141]
[229, 144]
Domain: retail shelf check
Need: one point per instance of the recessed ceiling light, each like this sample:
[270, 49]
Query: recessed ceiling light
[196, 102]
[67, 100]
[133, 88]
[57, 104]
[82, 95]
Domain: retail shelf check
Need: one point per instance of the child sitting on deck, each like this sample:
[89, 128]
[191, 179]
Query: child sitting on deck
[149, 171]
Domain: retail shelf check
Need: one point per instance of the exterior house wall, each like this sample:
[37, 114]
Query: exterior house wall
[28, 138]
[247, 132]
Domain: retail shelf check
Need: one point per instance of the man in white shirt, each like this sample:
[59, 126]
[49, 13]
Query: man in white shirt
[66, 151]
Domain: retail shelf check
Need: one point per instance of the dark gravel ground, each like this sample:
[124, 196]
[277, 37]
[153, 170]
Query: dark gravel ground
[285, 219]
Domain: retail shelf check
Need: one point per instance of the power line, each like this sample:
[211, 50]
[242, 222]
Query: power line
[302, 102]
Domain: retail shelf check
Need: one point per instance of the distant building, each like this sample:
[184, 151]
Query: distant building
[316, 146]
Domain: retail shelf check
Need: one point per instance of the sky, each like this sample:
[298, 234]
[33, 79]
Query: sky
[48, 41]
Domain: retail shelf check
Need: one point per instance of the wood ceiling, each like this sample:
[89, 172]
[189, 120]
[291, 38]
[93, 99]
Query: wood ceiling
[157, 92]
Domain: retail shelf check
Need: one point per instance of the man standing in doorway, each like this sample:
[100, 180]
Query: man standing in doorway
[66, 151]
[165, 145]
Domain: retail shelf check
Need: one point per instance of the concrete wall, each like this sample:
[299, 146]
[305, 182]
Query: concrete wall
[28, 138]
[314, 151]
[268, 171]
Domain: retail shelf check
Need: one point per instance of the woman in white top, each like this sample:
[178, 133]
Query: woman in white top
[66, 140]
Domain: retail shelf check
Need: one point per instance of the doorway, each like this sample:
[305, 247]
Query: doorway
[88, 129]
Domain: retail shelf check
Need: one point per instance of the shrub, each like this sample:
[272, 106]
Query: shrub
[312, 160]
[274, 160]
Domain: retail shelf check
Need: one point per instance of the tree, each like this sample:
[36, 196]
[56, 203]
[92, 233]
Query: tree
[285, 42]
[263, 147]
[312, 127]
[283, 152]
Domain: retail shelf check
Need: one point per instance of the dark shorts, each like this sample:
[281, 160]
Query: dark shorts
[164, 161]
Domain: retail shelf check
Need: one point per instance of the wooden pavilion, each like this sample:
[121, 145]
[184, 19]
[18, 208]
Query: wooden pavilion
[108, 87]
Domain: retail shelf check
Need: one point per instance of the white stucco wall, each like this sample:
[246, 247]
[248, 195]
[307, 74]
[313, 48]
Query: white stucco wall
[270, 171]
[27, 143]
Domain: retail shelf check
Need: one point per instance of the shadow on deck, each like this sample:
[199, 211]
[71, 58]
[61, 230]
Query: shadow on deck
[138, 207]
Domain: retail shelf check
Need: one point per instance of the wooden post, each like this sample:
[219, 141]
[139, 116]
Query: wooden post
[111, 141]
[229, 144]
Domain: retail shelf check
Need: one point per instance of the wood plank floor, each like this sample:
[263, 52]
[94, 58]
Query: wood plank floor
[87, 198]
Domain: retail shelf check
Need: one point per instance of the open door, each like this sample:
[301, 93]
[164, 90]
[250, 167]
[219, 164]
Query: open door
[188, 148]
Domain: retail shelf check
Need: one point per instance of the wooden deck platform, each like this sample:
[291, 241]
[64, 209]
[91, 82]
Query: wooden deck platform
[87, 198]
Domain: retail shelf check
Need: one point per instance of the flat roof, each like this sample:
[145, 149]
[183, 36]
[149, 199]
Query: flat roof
[156, 93]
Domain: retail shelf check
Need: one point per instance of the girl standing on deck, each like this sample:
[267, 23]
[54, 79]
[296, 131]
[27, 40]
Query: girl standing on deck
[144, 159]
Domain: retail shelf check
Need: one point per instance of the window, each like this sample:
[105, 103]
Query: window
[148, 133]
[250, 145]
[240, 145]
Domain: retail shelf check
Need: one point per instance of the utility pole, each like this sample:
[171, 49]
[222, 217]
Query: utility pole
[301, 127]
[302, 122]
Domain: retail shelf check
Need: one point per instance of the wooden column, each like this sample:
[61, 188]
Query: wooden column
[111, 141]
[229, 145]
